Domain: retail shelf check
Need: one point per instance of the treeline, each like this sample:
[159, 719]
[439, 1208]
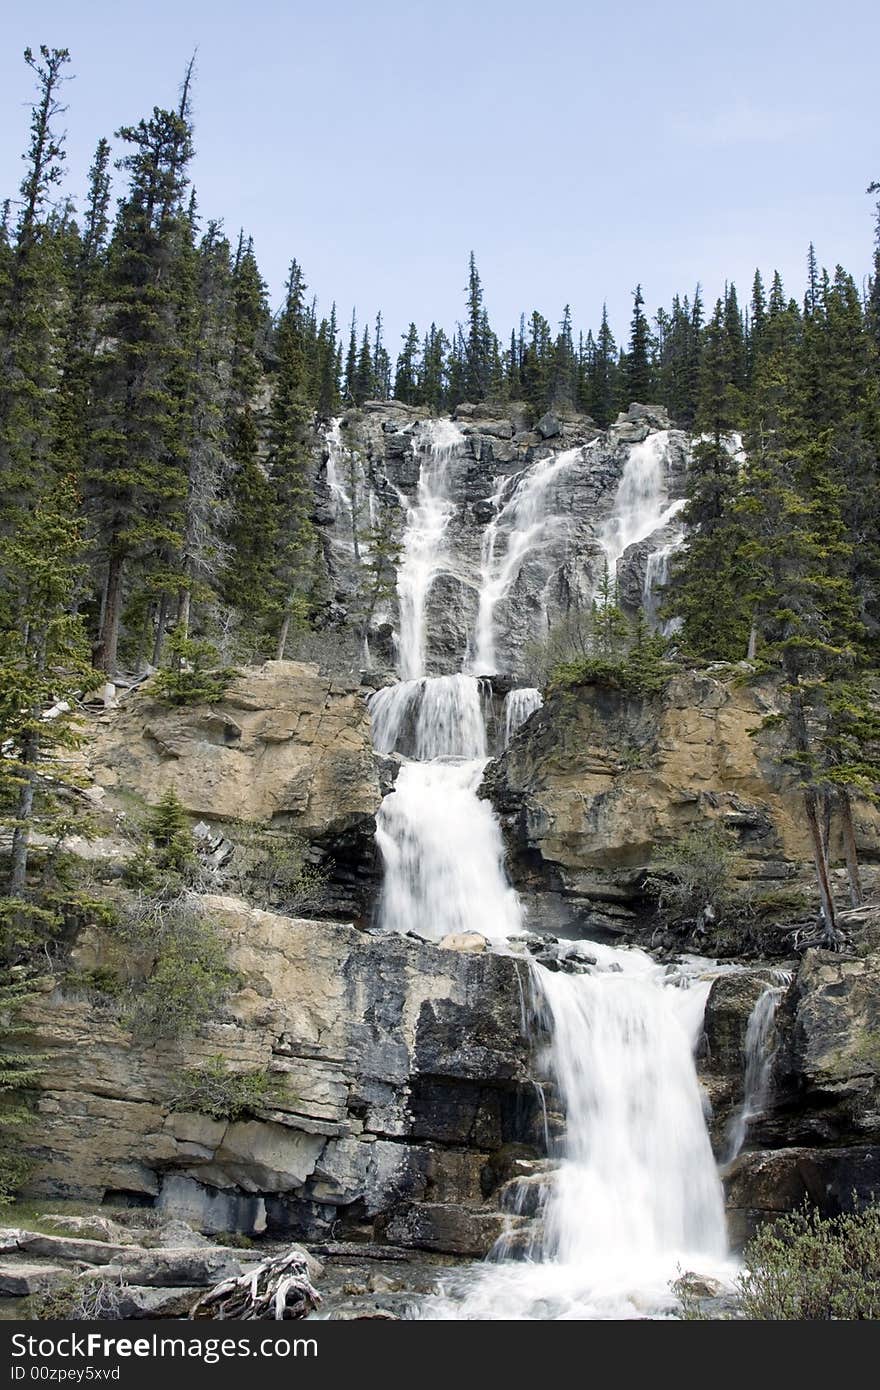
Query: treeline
[781, 561]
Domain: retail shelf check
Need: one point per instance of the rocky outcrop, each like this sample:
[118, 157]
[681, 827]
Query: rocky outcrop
[286, 748]
[400, 1067]
[595, 781]
[817, 1136]
[382, 445]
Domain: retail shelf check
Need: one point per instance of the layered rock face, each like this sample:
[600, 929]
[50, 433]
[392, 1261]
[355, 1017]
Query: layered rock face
[556, 484]
[286, 749]
[815, 1136]
[595, 781]
[401, 1072]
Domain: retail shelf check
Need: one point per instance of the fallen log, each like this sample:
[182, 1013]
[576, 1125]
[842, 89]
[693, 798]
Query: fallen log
[278, 1289]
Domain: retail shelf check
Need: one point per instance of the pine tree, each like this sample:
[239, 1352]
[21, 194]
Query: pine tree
[136, 482]
[709, 578]
[44, 665]
[407, 369]
[603, 383]
[250, 522]
[637, 371]
[31, 327]
[294, 550]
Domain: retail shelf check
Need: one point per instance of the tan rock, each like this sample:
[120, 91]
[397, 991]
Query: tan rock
[469, 942]
[284, 741]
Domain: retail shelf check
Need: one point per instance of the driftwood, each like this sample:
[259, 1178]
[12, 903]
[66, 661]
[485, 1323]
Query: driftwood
[278, 1288]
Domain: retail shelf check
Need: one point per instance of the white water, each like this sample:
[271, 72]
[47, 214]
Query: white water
[641, 504]
[523, 524]
[760, 1049]
[518, 706]
[340, 498]
[432, 717]
[656, 579]
[424, 542]
[440, 842]
[636, 1197]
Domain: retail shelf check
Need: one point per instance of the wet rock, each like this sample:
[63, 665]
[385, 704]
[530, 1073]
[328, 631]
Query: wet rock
[450, 1229]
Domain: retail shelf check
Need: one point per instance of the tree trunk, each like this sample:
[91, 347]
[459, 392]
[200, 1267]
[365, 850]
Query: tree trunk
[184, 605]
[831, 936]
[21, 835]
[162, 619]
[282, 638]
[849, 849]
[826, 821]
[108, 641]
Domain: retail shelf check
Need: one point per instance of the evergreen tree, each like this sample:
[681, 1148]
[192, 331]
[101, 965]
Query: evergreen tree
[637, 380]
[603, 381]
[293, 560]
[136, 483]
[407, 370]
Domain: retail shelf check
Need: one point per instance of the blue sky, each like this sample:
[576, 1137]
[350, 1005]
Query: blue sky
[577, 147]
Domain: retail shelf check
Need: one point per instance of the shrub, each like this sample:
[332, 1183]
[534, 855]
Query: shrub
[190, 979]
[272, 869]
[189, 679]
[223, 1094]
[601, 646]
[806, 1268]
[18, 1071]
[694, 872]
[78, 1300]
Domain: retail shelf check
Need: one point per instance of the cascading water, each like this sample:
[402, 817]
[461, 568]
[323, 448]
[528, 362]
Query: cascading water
[518, 706]
[656, 579]
[440, 842]
[424, 542]
[635, 1191]
[760, 1049]
[522, 524]
[641, 505]
[636, 1194]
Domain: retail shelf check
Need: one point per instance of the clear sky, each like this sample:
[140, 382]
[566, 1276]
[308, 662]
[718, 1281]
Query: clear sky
[578, 146]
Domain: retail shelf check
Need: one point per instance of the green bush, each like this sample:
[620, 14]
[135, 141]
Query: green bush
[272, 868]
[189, 678]
[694, 872]
[190, 979]
[806, 1268]
[223, 1094]
[18, 1071]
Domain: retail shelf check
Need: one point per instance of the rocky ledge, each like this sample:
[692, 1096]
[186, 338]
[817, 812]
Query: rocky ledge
[597, 780]
[401, 1073]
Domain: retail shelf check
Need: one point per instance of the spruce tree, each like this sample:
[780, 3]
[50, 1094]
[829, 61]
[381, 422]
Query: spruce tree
[637, 380]
[136, 482]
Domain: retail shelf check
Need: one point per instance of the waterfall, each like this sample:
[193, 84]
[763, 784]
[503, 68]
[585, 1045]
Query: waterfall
[656, 579]
[518, 705]
[440, 842]
[636, 1195]
[638, 1182]
[631, 1191]
[760, 1049]
[424, 541]
[523, 523]
[641, 504]
[432, 717]
[338, 494]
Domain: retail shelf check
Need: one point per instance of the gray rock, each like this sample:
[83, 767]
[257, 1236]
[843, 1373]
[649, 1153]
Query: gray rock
[549, 426]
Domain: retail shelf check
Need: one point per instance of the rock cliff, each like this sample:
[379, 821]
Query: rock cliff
[597, 780]
[401, 1072]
